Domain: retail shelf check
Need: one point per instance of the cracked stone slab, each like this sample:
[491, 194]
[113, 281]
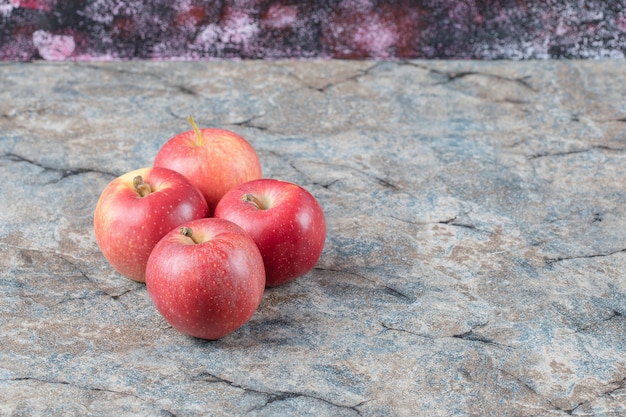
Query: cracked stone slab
[475, 260]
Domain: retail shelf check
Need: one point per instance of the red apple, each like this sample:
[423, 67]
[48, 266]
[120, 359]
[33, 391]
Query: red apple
[206, 278]
[137, 209]
[214, 160]
[286, 222]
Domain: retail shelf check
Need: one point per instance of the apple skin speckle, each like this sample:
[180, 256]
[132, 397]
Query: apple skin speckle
[127, 226]
[286, 222]
[207, 303]
[220, 162]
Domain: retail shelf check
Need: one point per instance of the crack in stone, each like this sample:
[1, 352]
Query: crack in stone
[451, 222]
[44, 381]
[360, 73]
[179, 87]
[387, 327]
[294, 167]
[515, 101]
[613, 315]
[576, 216]
[414, 223]
[84, 275]
[62, 172]
[117, 296]
[551, 261]
[520, 80]
[574, 152]
[92, 389]
[387, 183]
[614, 387]
[325, 185]
[272, 399]
[525, 385]
[271, 396]
[528, 387]
[385, 288]
[67, 260]
[182, 88]
[450, 76]
[212, 378]
[577, 118]
[398, 294]
[174, 114]
[248, 123]
[384, 182]
[33, 109]
[619, 384]
[520, 381]
[377, 179]
[469, 335]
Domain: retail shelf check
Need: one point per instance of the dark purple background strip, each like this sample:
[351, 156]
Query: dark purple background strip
[264, 29]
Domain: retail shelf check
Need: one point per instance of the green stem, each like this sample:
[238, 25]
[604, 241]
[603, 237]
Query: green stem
[195, 129]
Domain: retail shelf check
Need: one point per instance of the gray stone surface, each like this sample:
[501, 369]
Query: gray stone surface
[475, 260]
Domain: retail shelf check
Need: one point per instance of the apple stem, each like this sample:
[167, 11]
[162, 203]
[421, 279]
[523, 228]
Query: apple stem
[143, 188]
[195, 129]
[252, 199]
[186, 231]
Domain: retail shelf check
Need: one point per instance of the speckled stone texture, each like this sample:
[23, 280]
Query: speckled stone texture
[474, 265]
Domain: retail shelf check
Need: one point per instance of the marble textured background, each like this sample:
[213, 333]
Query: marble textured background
[476, 255]
[271, 29]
